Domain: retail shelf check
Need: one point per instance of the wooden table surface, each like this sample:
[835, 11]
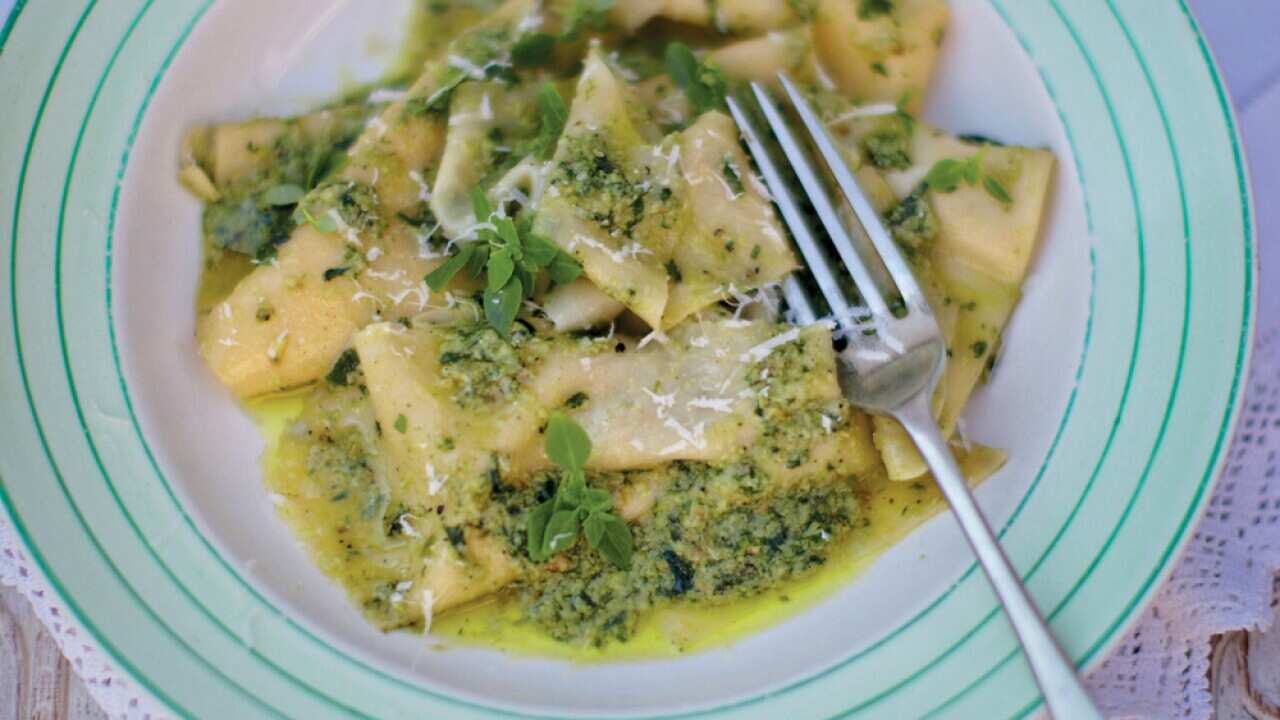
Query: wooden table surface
[36, 682]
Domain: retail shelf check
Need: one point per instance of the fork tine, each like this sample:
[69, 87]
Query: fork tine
[801, 308]
[794, 219]
[898, 269]
[817, 194]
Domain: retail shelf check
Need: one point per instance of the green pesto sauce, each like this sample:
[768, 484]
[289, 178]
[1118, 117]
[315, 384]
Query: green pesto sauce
[888, 144]
[914, 225]
[243, 228]
[480, 366]
[355, 203]
[722, 552]
[599, 183]
[883, 512]
[327, 483]
[714, 535]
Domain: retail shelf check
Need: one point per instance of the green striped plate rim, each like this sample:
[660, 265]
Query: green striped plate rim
[1132, 465]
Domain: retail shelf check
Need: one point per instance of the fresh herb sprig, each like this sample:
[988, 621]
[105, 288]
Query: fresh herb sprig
[576, 507]
[947, 174]
[555, 115]
[509, 254]
[703, 83]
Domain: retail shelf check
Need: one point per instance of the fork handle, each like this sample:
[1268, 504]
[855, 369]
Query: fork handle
[1063, 693]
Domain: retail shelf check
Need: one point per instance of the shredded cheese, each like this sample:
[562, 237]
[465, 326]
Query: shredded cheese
[763, 350]
[720, 405]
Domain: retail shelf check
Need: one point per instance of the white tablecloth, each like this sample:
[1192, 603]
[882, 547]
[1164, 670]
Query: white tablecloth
[1224, 581]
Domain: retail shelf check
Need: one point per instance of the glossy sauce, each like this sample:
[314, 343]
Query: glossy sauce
[890, 510]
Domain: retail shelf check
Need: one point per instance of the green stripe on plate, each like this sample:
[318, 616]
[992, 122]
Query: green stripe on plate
[960, 600]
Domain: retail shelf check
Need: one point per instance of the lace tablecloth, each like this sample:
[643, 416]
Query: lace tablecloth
[1225, 579]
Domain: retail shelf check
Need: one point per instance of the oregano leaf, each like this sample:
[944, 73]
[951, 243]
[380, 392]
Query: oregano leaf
[437, 279]
[615, 542]
[561, 532]
[502, 305]
[500, 267]
[996, 190]
[566, 443]
[536, 527]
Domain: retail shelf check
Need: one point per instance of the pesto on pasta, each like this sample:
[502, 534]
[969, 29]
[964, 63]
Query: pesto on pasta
[525, 305]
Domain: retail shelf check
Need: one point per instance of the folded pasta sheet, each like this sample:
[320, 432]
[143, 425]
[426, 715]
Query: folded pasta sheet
[531, 299]
[970, 243]
[453, 414]
[665, 226]
[880, 52]
[359, 243]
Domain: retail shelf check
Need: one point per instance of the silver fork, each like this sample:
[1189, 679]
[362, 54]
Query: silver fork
[893, 362]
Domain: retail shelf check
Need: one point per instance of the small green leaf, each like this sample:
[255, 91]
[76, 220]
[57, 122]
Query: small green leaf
[479, 258]
[972, 169]
[564, 269]
[437, 279]
[506, 229]
[501, 266]
[526, 281]
[539, 252]
[705, 85]
[532, 50]
[536, 526]
[281, 195]
[593, 528]
[402, 424]
[438, 101]
[615, 540]
[572, 490]
[555, 114]
[566, 444]
[524, 224]
[681, 65]
[945, 175]
[480, 205]
[996, 190]
[501, 306]
[595, 500]
[561, 532]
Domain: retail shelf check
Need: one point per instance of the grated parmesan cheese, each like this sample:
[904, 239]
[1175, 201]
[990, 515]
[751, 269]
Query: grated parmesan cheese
[663, 402]
[424, 191]
[434, 484]
[657, 335]
[276, 349]
[763, 350]
[720, 405]
[693, 437]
